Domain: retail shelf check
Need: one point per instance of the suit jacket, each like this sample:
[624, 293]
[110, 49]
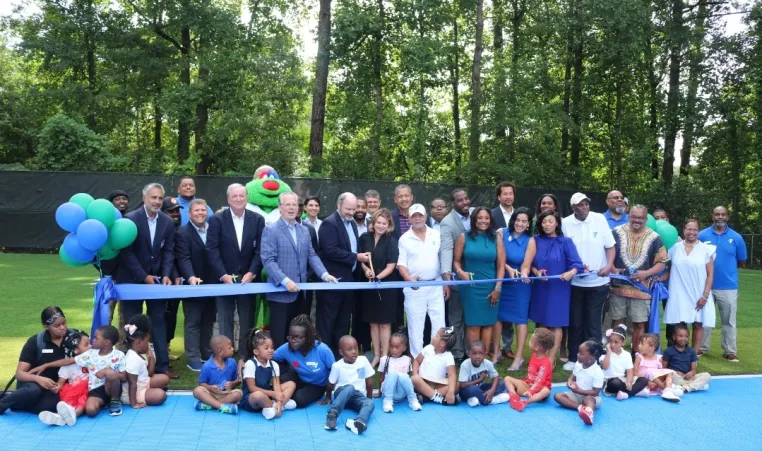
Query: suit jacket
[190, 254]
[396, 218]
[449, 230]
[222, 245]
[141, 259]
[498, 219]
[282, 258]
[335, 248]
[315, 245]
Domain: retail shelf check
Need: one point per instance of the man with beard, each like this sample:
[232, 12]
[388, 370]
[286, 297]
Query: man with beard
[172, 208]
[455, 223]
[186, 193]
[731, 253]
[361, 330]
[419, 257]
[120, 200]
[616, 214]
[360, 214]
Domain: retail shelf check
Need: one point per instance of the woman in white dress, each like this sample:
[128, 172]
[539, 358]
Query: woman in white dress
[690, 283]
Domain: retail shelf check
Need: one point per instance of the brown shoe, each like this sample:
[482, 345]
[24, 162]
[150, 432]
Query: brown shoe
[732, 358]
[699, 353]
[171, 374]
[509, 355]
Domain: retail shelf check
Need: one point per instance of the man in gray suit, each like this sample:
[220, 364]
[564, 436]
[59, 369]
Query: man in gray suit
[455, 223]
[286, 250]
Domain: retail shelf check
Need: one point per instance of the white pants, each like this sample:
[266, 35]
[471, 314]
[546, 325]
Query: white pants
[417, 303]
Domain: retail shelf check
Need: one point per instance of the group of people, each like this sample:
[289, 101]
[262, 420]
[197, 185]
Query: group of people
[181, 242]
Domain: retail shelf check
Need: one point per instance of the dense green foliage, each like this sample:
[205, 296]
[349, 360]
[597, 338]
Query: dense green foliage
[574, 93]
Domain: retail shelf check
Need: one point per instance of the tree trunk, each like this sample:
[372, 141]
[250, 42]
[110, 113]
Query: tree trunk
[184, 125]
[321, 86]
[476, 86]
[499, 63]
[673, 96]
[454, 80]
[616, 137]
[157, 121]
[653, 100]
[518, 15]
[202, 108]
[567, 96]
[694, 64]
[377, 84]
[576, 101]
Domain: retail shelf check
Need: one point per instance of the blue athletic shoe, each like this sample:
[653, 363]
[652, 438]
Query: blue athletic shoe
[194, 365]
[115, 408]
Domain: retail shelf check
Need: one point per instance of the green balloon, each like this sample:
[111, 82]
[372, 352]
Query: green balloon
[106, 253]
[82, 199]
[67, 260]
[102, 211]
[122, 233]
[667, 232]
[651, 223]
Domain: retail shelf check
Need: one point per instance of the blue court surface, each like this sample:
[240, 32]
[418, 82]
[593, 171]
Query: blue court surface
[727, 417]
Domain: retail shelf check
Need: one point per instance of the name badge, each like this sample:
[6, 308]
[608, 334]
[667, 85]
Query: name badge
[47, 351]
[162, 244]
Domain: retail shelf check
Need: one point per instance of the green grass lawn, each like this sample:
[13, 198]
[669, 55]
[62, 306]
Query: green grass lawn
[32, 282]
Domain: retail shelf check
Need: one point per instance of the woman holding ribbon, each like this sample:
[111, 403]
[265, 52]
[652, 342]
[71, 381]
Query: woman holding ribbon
[478, 254]
[514, 300]
[550, 253]
[380, 306]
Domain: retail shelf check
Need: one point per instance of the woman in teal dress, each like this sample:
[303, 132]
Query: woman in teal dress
[480, 255]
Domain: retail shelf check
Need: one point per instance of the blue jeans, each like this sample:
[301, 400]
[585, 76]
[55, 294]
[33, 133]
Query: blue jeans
[397, 387]
[347, 396]
[477, 391]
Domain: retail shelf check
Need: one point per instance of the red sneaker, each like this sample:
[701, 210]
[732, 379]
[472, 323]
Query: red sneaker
[586, 415]
[516, 402]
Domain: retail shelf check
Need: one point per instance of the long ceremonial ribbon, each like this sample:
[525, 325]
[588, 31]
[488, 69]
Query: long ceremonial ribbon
[106, 290]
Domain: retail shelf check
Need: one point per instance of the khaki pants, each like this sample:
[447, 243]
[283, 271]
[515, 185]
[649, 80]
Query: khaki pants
[696, 383]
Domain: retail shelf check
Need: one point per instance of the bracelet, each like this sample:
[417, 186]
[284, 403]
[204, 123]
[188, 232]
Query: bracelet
[498, 287]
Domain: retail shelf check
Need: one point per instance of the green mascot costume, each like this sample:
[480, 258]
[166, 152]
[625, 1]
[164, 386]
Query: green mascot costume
[263, 192]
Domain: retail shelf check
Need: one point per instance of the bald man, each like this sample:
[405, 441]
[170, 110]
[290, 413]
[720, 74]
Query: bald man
[338, 251]
[616, 214]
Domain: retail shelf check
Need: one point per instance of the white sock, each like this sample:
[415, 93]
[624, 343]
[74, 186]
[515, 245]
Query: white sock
[290, 405]
[268, 413]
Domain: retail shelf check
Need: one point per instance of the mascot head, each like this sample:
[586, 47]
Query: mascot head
[264, 189]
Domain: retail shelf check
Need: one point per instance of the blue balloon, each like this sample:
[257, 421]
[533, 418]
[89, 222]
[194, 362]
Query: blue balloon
[117, 214]
[75, 251]
[69, 216]
[92, 234]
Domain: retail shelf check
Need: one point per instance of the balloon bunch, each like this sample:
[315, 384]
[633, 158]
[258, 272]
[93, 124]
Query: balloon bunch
[97, 228]
[666, 231]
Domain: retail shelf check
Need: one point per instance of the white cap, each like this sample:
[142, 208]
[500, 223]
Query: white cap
[577, 198]
[416, 208]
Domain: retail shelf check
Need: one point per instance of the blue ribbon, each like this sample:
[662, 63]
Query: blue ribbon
[658, 293]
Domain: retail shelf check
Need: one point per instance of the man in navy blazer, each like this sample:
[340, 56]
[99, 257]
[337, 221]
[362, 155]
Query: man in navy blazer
[338, 252]
[150, 260]
[192, 262]
[286, 251]
[233, 243]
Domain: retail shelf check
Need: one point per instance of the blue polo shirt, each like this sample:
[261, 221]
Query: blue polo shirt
[313, 368]
[625, 219]
[184, 218]
[731, 249]
[211, 374]
[679, 360]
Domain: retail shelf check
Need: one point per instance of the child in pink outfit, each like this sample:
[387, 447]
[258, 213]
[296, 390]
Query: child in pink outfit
[648, 365]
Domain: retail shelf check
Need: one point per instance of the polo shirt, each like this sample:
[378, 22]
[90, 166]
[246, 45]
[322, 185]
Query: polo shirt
[313, 368]
[420, 257]
[731, 249]
[211, 374]
[50, 353]
[185, 211]
[679, 360]
[625, 219]
[591, 237]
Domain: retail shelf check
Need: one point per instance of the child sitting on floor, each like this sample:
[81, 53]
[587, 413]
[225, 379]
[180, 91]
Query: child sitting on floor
[472, 381]
[218, 380]
[648, 365]
[352, 377]
[261, 378]
[537, 385]
[682, 359]
[394, 379]
[72, 383]
[434, 369]
[585, 383]
[618, 374]
[142, 387]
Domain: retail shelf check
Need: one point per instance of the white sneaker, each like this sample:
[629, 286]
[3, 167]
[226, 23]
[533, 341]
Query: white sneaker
[473, 402]
[677, 390]
[51, 419]
[644, 393]
[499, 399]
[67, 412]
[290, 405]
[268, 413]
[414, 404]
[705, 387]
[669, 395]
[388, 406]
[569, 366]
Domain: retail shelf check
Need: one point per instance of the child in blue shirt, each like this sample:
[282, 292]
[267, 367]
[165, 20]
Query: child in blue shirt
[218, 379]
[682, 359]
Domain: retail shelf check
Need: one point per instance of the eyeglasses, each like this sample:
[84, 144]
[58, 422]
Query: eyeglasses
[616, 197]
[638, 218]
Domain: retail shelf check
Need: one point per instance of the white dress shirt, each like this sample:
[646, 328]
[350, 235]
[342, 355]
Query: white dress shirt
[238, 224]
[152, 224]
[507, 214]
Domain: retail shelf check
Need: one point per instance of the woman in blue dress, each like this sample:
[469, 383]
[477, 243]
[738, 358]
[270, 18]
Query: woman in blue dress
[550, 253]
[479, 255]
[514, 301]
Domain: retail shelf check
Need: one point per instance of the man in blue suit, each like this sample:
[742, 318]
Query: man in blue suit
[286, 250]
[192, 262]
[233, 243]
[149, 260]
[338, 252]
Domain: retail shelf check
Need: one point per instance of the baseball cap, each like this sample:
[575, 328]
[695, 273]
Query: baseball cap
[577, 198]
[416, 208]
[169, 204]
[116, 193]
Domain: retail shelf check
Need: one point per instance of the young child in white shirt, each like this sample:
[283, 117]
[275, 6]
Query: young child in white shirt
[72, 384]
[395, 381]
[585, 383]
[142, 387]
[618, 374]
[352, 379]
[434, 370]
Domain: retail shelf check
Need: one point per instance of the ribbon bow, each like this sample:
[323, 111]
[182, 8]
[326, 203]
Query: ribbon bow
[130, 328]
